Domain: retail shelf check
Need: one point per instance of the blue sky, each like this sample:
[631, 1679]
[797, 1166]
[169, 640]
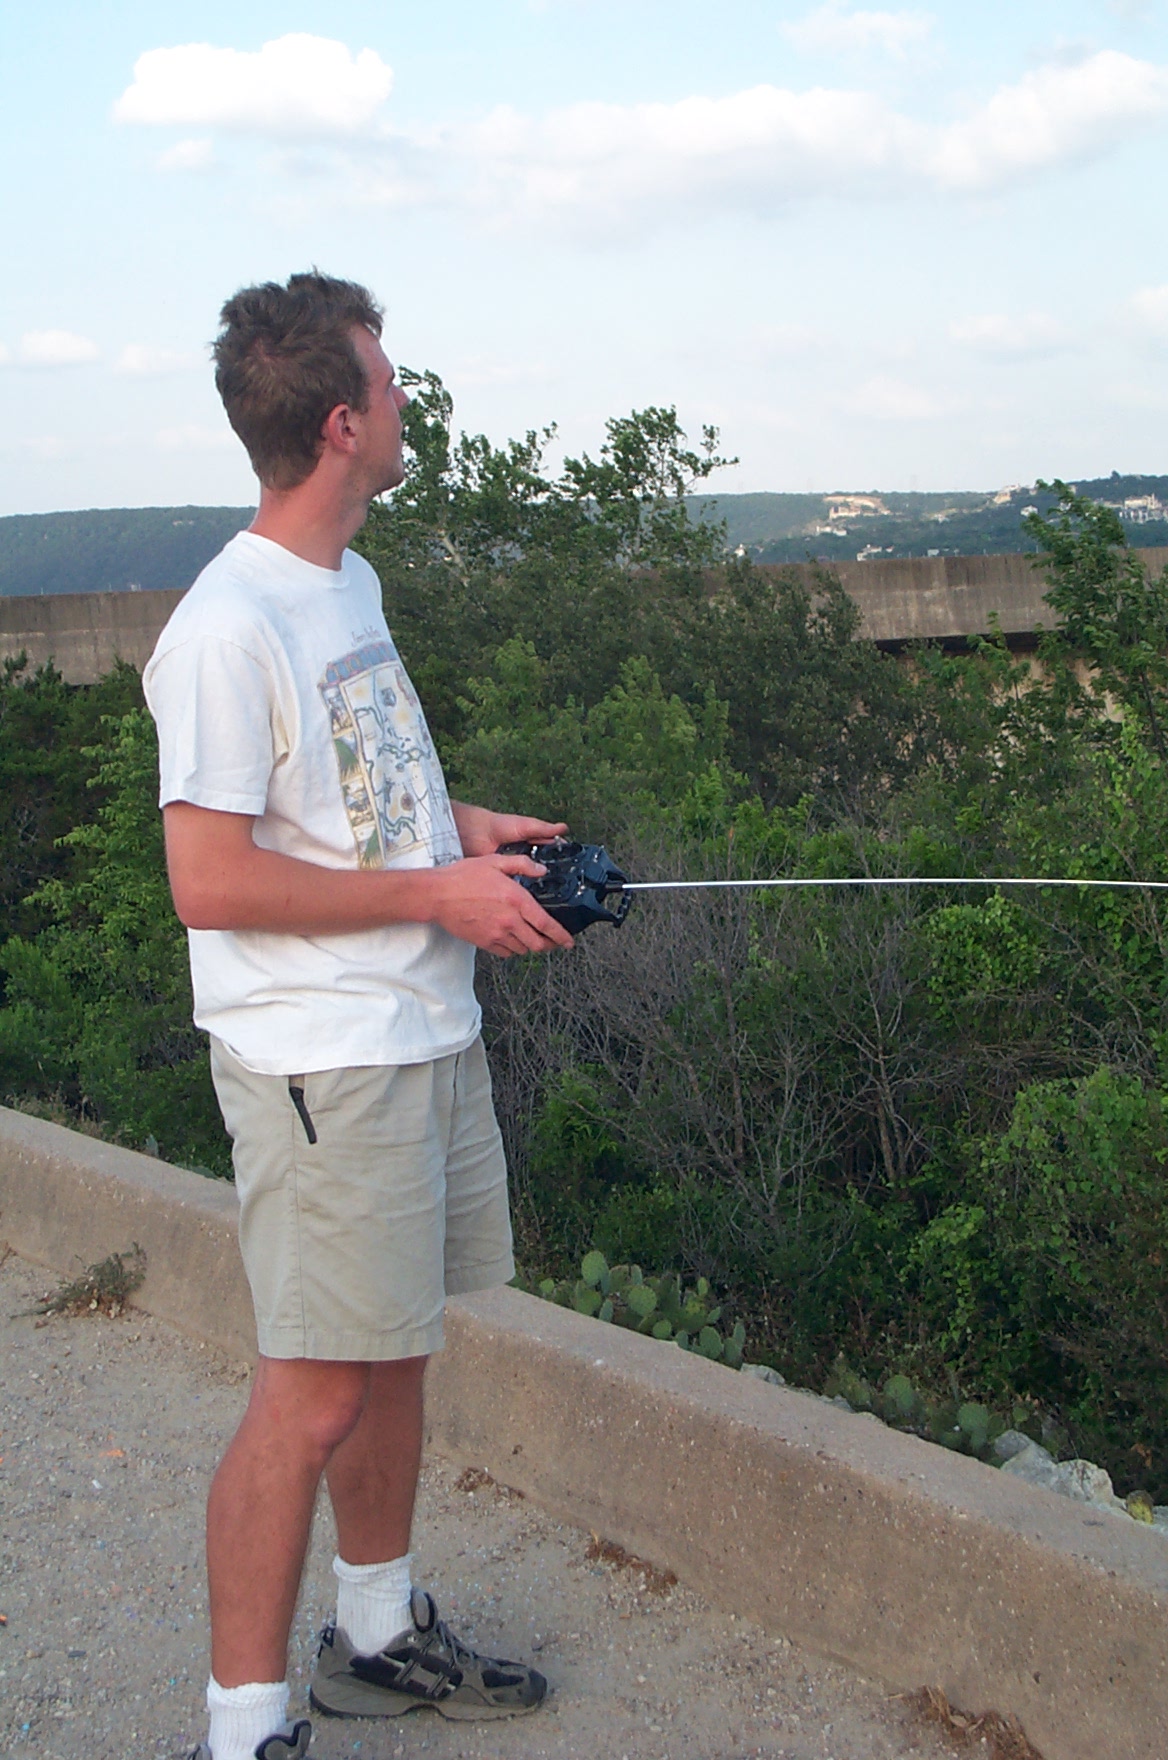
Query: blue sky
[880, 246]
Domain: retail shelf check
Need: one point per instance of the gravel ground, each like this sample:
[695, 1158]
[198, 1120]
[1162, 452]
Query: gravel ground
[110, 1432]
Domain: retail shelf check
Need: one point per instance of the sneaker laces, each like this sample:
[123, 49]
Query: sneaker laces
[431, 1633]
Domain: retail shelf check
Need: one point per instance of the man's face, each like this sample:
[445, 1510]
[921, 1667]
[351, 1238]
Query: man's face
[380, 421]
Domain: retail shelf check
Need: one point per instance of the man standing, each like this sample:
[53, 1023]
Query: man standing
[334, 897]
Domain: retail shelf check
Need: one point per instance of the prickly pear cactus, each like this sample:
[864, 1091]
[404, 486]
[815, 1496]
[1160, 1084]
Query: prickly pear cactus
[660, 1307]
[710, 1344]
[735, 1347]
[899, 1399]
[641, 1300]
[1139, 1507]
[594, 1270]
[845, 1383]
[969, 1428]
[974, 1422]
[663, 1308]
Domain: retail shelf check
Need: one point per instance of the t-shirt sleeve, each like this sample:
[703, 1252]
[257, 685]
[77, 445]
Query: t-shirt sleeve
[212, 704]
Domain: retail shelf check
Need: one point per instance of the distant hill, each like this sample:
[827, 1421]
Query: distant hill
[873, 524]
[112, 549]
[139, 547]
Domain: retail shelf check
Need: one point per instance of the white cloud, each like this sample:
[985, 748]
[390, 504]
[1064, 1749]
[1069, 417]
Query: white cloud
[1054, 116]
[144, 360]
[611, 163]
[995, 333]
[1149, 308]
[612, 169]
[831, 30]
[884, 399]
[613, 166]
[189, 155]
[191, 437]
[55, 348]
[295, 85]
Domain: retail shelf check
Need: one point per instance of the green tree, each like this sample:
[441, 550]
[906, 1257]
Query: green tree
[46, 727]
[1054, 1281]
[602, 565]
[98, 1006]
[1114, 611]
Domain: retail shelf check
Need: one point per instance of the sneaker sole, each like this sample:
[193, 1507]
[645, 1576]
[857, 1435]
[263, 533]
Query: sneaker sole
[355, 1701]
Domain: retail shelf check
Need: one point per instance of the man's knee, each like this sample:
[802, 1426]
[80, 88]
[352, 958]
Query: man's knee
[315, 1403]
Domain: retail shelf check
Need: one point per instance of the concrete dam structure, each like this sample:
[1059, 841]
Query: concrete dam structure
[937, 598]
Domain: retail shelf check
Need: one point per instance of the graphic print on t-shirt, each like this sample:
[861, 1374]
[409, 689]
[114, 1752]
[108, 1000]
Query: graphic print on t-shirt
[391, 780]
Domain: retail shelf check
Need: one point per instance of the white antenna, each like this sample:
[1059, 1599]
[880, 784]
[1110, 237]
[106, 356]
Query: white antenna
[895, 880]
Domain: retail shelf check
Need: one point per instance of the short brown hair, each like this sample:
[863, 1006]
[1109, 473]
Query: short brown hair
[283, 359]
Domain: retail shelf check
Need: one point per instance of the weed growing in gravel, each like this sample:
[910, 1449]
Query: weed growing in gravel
[1003, 1738]
[102, 1288]
[655, 1580]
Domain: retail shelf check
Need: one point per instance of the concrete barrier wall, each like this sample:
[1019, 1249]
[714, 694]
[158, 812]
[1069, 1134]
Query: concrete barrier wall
[945, 598]
[83, 633]
[67, 1200]
[910, 1563]
[936, 598]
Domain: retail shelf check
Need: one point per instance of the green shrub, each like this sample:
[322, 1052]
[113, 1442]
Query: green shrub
[1074, 1263]
[98, 1001]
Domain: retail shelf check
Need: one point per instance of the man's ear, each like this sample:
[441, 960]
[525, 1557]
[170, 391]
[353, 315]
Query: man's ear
[338, 430]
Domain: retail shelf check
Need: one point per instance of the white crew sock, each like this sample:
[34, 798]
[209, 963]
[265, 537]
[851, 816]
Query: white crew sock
[373, 1603]
[243, 1717]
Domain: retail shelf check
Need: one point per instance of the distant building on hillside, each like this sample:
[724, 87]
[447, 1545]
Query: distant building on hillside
[841, 510]
[1138, 510]
[841, 507]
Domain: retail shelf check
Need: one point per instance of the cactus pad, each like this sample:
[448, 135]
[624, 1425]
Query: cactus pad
[593, 1269]
[641, 1299]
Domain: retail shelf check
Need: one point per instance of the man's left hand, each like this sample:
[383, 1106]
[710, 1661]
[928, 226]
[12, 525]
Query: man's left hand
[482, 832]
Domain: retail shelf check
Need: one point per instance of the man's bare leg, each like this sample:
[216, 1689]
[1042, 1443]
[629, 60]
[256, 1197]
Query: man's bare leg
[371, 1480]
[373, 1475]
[260, 1509]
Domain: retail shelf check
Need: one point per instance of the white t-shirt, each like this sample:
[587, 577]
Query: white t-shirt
[277, 691]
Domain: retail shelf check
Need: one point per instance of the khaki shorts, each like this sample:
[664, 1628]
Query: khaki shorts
[352, 1244]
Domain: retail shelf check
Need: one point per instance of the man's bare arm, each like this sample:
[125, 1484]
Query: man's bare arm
[221, 879]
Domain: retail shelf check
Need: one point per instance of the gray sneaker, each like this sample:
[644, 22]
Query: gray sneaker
[428, 1666]
[278, 1747]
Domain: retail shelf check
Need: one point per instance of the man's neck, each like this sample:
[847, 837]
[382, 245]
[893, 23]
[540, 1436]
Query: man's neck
[311, 520]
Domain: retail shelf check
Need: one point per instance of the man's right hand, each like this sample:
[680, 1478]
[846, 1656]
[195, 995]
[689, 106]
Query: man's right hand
[478, 900]
[222, 879]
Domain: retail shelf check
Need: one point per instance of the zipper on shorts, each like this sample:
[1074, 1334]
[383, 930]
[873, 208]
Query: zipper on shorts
[296, 1095]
